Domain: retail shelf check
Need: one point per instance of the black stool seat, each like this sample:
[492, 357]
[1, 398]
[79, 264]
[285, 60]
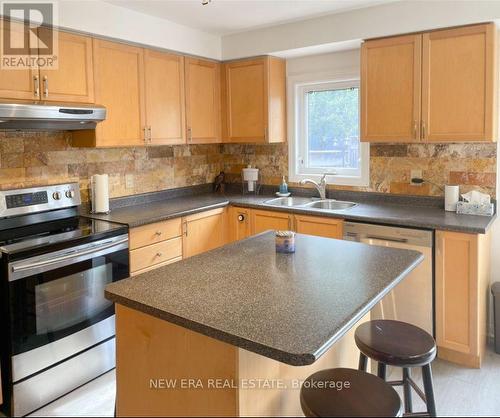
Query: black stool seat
[348, 392]
[395, 343]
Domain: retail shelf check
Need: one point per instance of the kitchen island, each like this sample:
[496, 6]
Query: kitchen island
[234, 331]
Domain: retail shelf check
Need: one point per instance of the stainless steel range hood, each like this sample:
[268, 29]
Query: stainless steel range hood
[17, 115]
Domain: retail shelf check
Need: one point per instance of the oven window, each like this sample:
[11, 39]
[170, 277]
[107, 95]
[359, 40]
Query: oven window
[49, 306]
[68, 301]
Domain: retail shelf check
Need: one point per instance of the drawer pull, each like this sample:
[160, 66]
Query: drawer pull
[158, 233]
[158, 254]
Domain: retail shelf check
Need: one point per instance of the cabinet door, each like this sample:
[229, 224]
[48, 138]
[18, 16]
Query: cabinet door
[457, 297]
[263, 220]
[17, 84]
[246, 105]
[119, 86]
[203, 117]
[203, 232]
[322, 227]
[239, 223]
[73, 80]
[390, 89]
[164, 74]
[458, 84]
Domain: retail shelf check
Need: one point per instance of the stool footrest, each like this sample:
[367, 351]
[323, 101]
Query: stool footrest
[413, 385]
[417, 414]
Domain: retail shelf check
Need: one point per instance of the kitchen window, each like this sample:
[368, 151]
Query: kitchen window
[326, 133]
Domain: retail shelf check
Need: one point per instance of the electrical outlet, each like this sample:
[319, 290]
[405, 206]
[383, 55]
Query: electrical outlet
[415, 174]
[129, 181]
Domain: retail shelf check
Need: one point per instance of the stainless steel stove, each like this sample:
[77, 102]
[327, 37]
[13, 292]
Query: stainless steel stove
[54, 268]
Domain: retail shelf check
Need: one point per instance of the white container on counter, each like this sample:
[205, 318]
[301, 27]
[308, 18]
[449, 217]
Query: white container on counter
[451, 197]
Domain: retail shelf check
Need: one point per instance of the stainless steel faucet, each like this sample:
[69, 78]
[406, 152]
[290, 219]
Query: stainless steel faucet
[321, 187]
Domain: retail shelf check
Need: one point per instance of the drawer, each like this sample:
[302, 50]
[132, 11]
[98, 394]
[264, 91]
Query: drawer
[155, 266]
[150, 255]
[153, 233]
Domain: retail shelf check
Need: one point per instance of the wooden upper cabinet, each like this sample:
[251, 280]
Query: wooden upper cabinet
[458, 75]
[254, 100]
[73, 80]
[437, 86]
[165, 100]
[203, 108]
[119, 86]
[17, 84]
[390, 89]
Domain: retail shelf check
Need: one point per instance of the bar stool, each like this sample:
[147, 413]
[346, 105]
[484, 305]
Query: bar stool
[348, 392]
[399, 344]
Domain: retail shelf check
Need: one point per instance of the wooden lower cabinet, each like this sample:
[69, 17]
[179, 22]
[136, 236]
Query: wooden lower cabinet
[322, 227]
[204, 231]
[159, 253]
[263, 220]
[462, 283]
[149, 350]
[238, 223]
[155, 245]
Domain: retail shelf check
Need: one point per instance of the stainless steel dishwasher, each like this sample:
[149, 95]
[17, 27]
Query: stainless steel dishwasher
[412, 300]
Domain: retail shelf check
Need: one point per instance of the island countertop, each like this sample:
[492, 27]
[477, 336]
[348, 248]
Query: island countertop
[288, 307]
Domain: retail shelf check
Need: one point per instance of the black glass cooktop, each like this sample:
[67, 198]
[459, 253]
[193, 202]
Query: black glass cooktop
[61, 231]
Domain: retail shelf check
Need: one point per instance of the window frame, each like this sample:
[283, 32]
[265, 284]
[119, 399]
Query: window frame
[298, 86]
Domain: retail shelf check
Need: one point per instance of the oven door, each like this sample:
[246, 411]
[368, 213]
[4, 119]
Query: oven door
[57, 303]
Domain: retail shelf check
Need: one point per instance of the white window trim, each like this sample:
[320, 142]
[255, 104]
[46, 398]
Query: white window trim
[296, 86]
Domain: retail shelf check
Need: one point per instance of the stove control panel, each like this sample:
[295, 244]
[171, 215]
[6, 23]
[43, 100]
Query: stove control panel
[26, 199]
[39, 199]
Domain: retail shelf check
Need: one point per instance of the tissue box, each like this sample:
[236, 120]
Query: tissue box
[482, 209]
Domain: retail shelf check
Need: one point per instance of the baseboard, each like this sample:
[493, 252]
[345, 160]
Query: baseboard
[463, 359]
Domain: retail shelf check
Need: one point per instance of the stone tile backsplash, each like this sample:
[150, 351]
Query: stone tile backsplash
[34, 158]
[471, 165]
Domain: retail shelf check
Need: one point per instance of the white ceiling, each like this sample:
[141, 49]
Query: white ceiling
[222, 17]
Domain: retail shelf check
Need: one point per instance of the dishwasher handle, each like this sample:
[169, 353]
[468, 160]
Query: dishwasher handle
[391, 239]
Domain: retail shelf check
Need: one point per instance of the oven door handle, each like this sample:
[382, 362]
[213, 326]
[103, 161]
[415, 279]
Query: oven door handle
[21, 269]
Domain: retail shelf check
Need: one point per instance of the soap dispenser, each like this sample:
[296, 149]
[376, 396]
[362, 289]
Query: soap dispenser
[283, 186]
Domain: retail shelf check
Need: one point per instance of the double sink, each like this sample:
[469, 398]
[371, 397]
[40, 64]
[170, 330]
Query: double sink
[310, 203]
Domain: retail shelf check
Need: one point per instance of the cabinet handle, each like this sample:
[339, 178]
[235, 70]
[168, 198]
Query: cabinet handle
[37, 86]
[415, 129]
[290, 223]
[145, 131]
[185, 228]
[45, 86]
[149, 133]
[159, 254]
[241, 217]
[190, 134]
[266, 134]
[423, 130]
[158, 233]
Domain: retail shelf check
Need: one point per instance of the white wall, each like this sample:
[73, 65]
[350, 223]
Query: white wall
[383, 20]
[331, 62]
[98, 17]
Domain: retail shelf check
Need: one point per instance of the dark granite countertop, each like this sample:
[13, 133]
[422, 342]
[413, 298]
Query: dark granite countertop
[146, 213]
[425, 217]
[381, 209]
[288, 307]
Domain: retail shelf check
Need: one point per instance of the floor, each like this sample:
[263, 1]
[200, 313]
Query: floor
[458, 390]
